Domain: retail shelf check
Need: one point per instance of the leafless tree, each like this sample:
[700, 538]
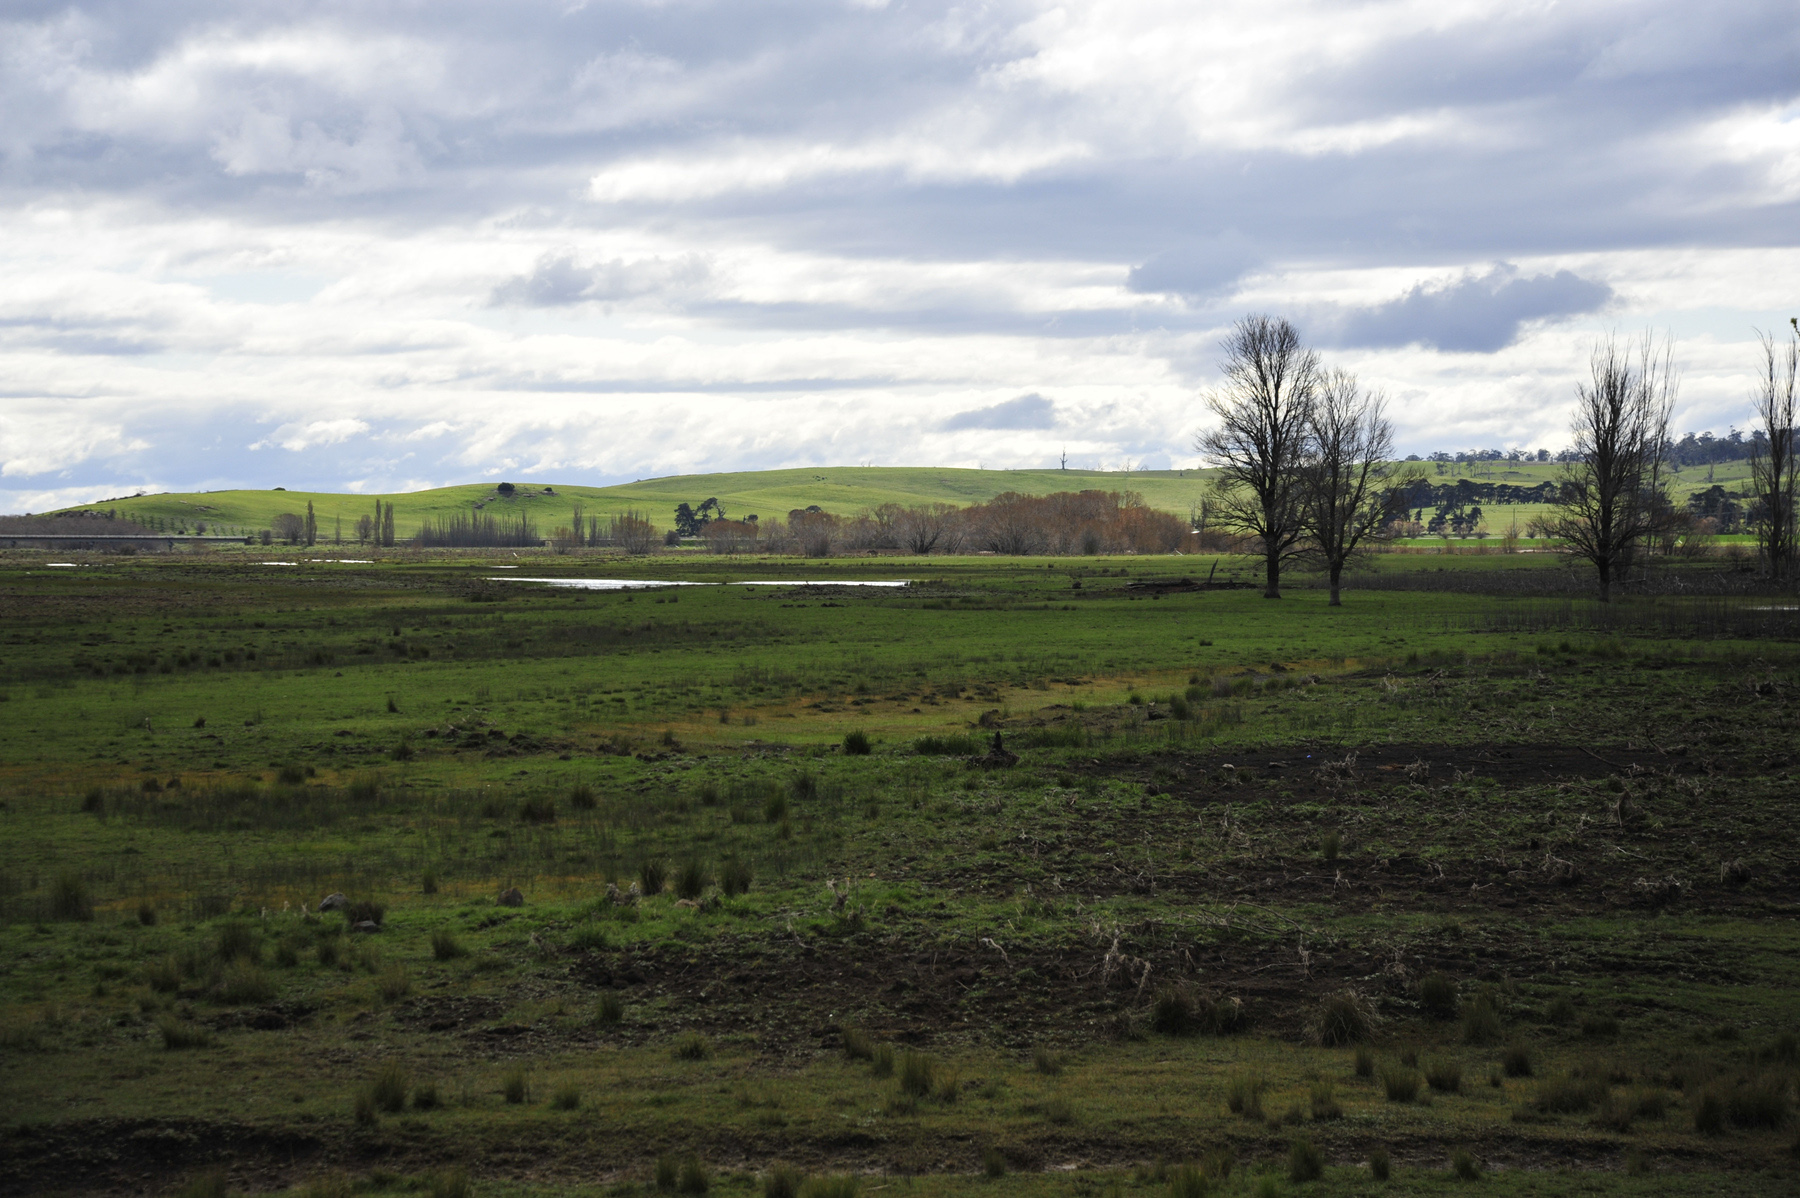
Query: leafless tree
[1774, 471]
[1263, 409]
[1350, 495]
[921, 526]
[633, 532]
[288, 527]
[1612, 490]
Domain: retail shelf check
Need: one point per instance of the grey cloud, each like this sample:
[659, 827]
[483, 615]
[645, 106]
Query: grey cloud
[1198, 269]
[1474, 314]
[1025, 412]
[561, 278]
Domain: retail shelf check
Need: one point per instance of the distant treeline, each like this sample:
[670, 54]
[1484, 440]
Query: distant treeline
[1694, 449]
[477, 532]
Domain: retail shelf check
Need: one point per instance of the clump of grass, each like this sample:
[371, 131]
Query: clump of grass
[146, 913]
[1305, 1162]
[588, 937]
[609, 1008]
[581, 797]
[691, 880]
[331, 1185]
[882, 1063]
[1517, 1061]
[1758, 1101]
[515, 1087]
[1561, 1011]
[1637, 1164]
[1464, 1166]
[428, 882]
[209, 1184]
[425, 1097]
[775, 807]
[1324, 1103]
[567, 1097]
[331, 950]
[1567, 1094]
[235, 940]
[1343, 1018]
[993, 1162]
[1400, 1084]
[394, 983]
[782, 1181]
[652, 874]
[362, 1107]
[856, 744]
[1047, 1061]
[537, 811]
[916, 1071]
[1481, 1022]
[445, 946]
[1365, 1062]
[450, 1183]
[179, 1033]
[735, 877]
[1059, 1110]
[241, 983]
[1330, 845]
[668, 1169]
[692, 1046]
[856, 1043]
[1599, 1027]
[1444, 1075]
[163, 974]
[1709, 1113]
[841, 1186]
[1438, 996]
[389, 1087]
[1381, 1166]
[1187, 1181]
[1243, 1095]
[693, 1178]
[69, 898]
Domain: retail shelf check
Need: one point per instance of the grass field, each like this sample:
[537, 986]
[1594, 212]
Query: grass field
[1274, 896]
[844, 490]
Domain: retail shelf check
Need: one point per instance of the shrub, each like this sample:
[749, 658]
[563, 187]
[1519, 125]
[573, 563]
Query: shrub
[537, 811]
[567, 1097]
[1187, 1181]
[389, 1087]
[1324, 1102]
[856, 1043]
[178, 1033]
[693, 1179]
[1379, 1164]
[1305, 1162]
[690, 880]
[1046, 1061]
[69, 898]
[1342, 1019]
[445, 946]
[857, 744]
[1243, 1095]
[1365, 1062]
[734, 877]
[1400, 1084]
[693, 1047]
[1438, 996]
[581, 797]
[425, 1097]
[1481, 1022]
[242, 982]
[1464, 1167]
[782, 1181]
[651, 875]
[1517, 1061]
[515, 1087]
[1444, 1076]
[915, 1074]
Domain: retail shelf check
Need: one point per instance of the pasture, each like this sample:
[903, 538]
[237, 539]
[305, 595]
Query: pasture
[1458, 888]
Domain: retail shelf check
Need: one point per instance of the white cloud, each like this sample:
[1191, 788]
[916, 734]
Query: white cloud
[296, 436]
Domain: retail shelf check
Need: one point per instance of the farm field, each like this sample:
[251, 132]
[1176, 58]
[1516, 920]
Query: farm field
[1446, 889]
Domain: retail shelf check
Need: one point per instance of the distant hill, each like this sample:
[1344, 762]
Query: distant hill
[843, 490]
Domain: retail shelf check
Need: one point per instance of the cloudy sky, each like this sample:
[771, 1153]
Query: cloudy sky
[381, 245]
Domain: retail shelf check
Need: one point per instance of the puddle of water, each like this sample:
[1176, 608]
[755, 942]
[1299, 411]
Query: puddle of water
[277, 563]
[62, 565]
[824, 582]
[625, 584]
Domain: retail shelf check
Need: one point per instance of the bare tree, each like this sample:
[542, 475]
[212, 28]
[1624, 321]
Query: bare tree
[1263, 408]
[923, 525]
[1774, 471]
[1350, 495]
[1612, 490]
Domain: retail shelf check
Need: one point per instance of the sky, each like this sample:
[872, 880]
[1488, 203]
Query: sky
[378, 245]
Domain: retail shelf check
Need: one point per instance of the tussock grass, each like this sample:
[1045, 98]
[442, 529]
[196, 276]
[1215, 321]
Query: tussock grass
[1517, 1061]
[609, 1008]
[782, 1181]
[445, 946]
[241, 983]
[839, 1186]
[1047, 1061]
[856, 1043]
[652, 875]
[1569, 1094]
[1444, 1075]
[567, 1097]
[735, 877]
[1364, 1064]
[179, 1034]
[515, 1086]
[1438, 996]
[1305, 1162]
[1400, 1084]
[1482, 1024]
[691, 880]
[1380, 1164]
[1343, 1018]
[1243, 1095]
[1464, 1167]
[1187, 1181]
[1322, 1099]
[692, 1046]
[389, 1086]
[916, 1070]
[70, 899]
[394, 983]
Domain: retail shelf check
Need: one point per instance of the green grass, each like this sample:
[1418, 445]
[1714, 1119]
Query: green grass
[889, 961]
